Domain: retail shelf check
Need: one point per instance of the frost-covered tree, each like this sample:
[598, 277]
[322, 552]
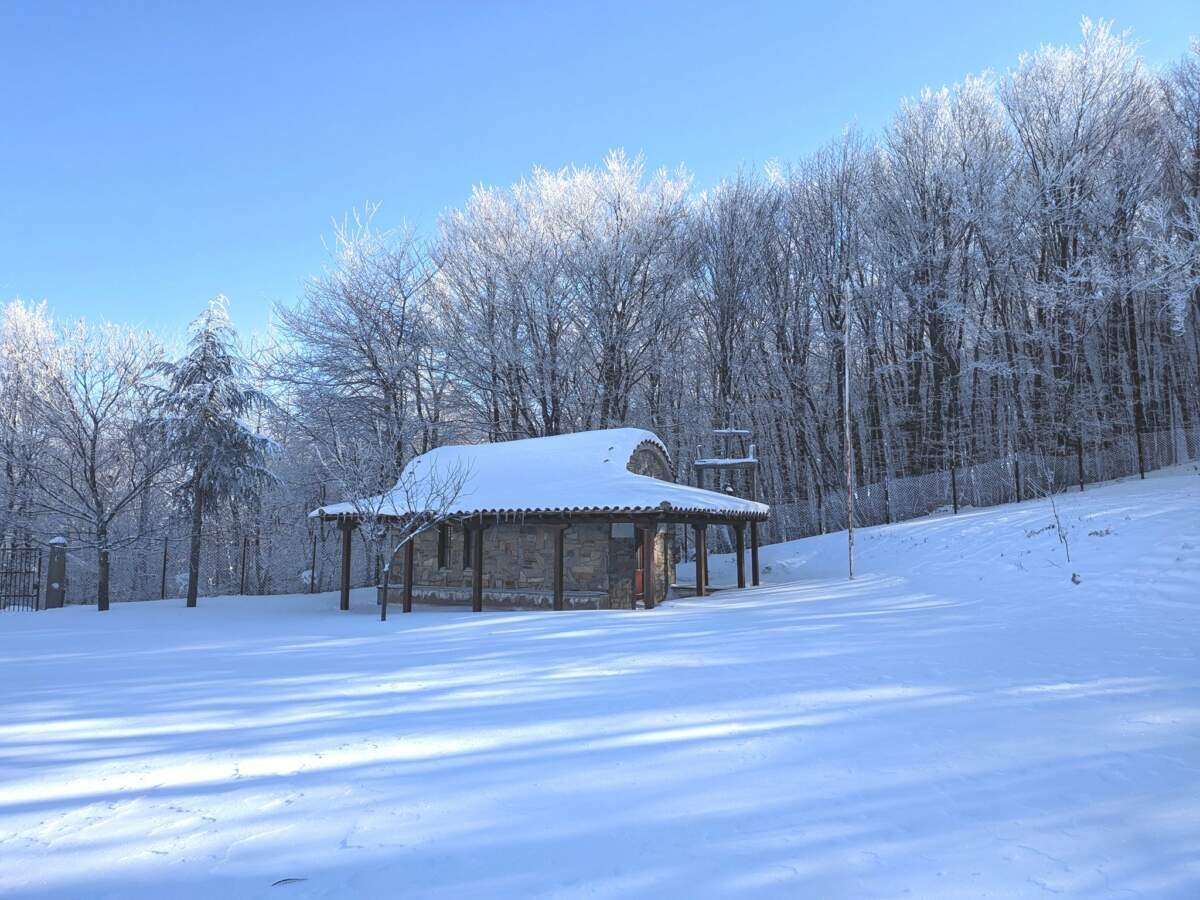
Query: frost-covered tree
[26, 335]
[101, 451]
[203, 410]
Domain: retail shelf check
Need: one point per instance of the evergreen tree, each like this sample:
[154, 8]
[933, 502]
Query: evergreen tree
[221, 459]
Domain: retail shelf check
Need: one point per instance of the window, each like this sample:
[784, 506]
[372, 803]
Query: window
[443, 546]
[466, 533]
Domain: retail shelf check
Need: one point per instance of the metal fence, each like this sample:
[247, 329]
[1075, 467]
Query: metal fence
[282, 557]
[1018, 476]
[20, 578]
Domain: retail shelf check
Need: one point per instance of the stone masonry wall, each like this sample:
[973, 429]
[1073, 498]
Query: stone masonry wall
[516, 556]
[622, 564]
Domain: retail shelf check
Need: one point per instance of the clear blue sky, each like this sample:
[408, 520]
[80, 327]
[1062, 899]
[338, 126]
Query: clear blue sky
[155, 154]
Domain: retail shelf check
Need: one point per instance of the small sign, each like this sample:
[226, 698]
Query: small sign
[623, 530]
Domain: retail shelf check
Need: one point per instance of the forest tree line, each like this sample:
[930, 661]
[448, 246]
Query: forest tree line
[1011, 266]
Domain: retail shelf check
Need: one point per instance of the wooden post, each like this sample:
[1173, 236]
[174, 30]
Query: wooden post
[347, 530]
[739, 533]
[701, 552]
[312, 572]
[560, 533]
[477, 569]
[754, 553]
[739, 543]
[649, 533]
[408, 574]
[387, 586]
[242, 589]
[954, 487]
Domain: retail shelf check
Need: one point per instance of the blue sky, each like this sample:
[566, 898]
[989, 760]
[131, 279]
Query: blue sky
[155, 154]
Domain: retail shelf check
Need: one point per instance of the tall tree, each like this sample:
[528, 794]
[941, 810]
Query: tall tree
[203, 408]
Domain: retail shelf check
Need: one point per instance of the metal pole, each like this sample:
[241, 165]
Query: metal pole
[1079, 459]
[242, 588]
[849, 453]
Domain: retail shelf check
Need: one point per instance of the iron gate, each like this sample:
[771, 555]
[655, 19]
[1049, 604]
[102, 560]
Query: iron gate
[20, 577]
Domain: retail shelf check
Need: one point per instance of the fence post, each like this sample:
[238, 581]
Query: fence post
[954, 487]
[242, 586]
[1080, 457]
[56, 574]
[162, 589]
[1017, 471]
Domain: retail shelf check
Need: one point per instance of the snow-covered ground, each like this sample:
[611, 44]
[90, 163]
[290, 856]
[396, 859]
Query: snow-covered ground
[961, 720]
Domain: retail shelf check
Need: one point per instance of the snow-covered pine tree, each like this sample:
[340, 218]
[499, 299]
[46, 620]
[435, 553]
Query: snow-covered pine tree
[203, 406]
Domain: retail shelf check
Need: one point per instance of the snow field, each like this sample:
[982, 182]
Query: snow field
[961, 720]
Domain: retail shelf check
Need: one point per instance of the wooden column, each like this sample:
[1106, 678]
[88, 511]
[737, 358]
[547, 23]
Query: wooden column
[560, 532]
[739, 533]
[701, 554]
[754, 553]
[648, 535]
[408, 574]
[477, 569]
[347, 529]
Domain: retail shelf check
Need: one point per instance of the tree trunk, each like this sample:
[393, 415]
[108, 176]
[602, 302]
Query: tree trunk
[102, 574]
[194, 552]
[1135, 373]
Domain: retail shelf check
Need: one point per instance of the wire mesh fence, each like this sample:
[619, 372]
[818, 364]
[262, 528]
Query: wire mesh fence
[237, 559]
[1017, 476]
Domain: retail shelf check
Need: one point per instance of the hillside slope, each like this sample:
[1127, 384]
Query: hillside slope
[961, 720]
[1117, 535]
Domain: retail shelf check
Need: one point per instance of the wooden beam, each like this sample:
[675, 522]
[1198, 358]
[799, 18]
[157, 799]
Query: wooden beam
[409, 555]
[754, 553]
[477, 569]
[701, 552]
[739, 533]
[559, 552]
[347, 529]
[649, 533]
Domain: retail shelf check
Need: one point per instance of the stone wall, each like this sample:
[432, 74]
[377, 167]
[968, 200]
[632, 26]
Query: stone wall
[516, 557]
[495, 598]
[622, 565]
[622, 562]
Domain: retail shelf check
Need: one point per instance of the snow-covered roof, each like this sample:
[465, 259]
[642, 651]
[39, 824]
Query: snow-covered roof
[586, 472]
